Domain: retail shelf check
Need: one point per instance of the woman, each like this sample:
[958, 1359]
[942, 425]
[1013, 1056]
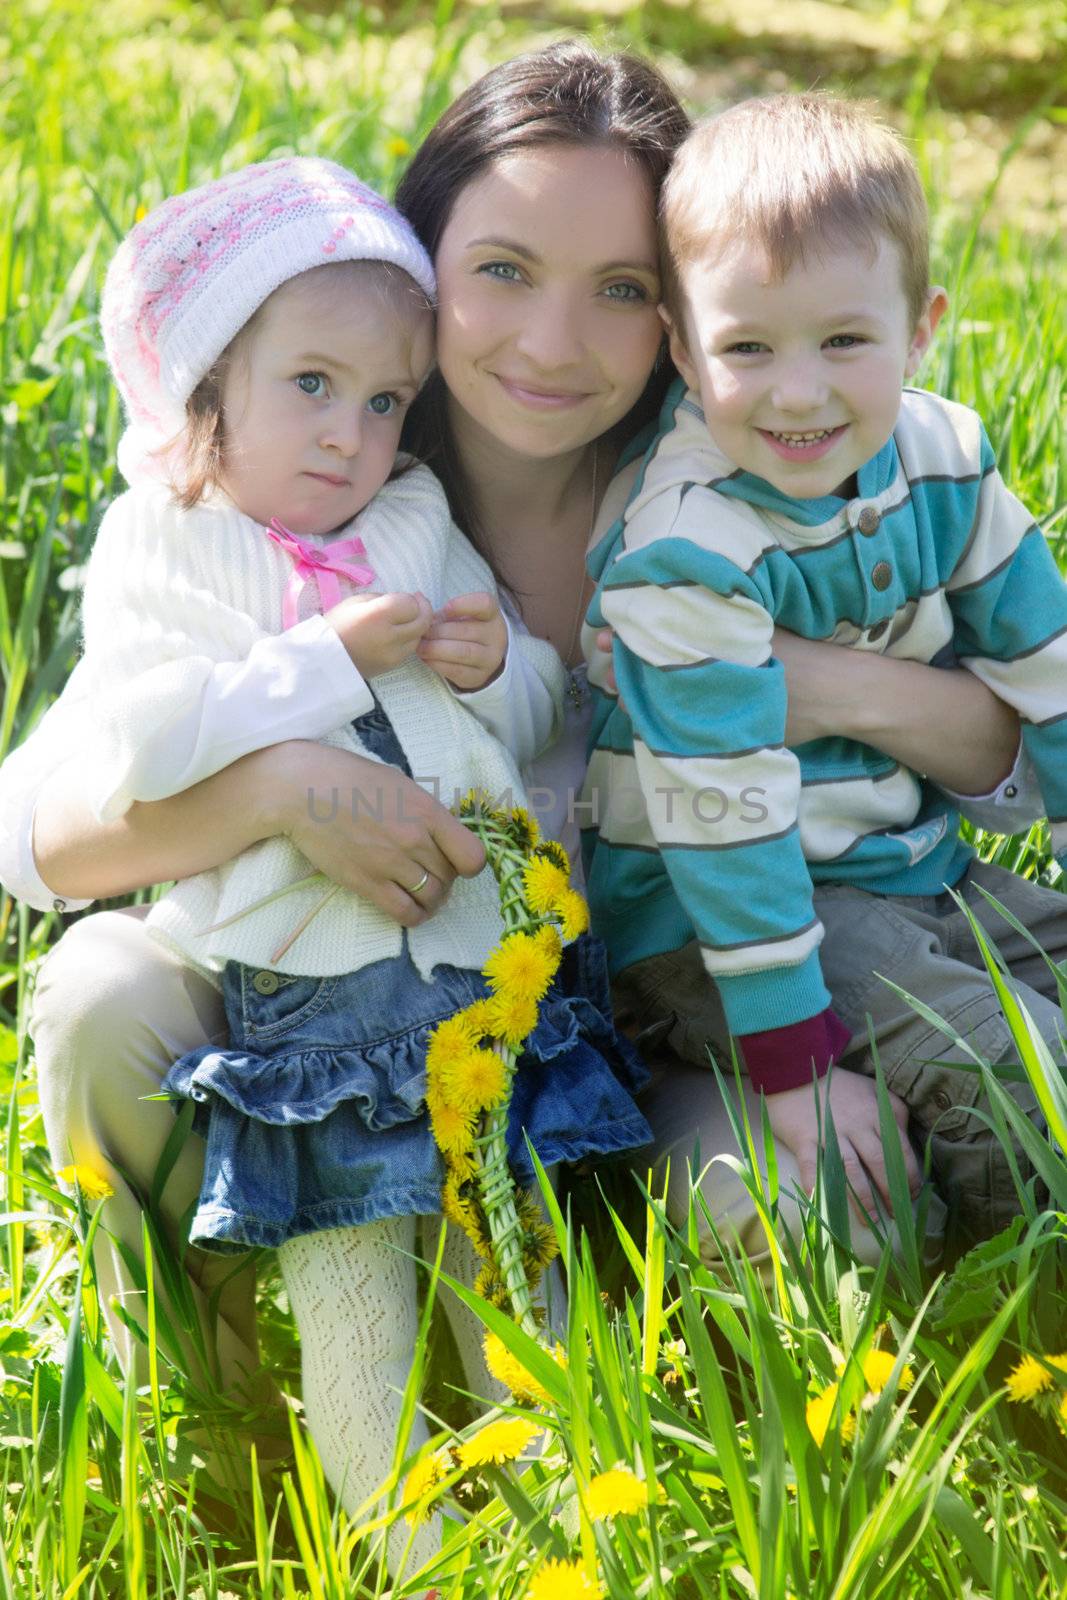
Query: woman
[536, 195]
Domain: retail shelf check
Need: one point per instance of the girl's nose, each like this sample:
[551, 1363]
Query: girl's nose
[343, 431]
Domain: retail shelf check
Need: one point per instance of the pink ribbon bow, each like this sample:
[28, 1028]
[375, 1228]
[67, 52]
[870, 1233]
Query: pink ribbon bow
[321, 562]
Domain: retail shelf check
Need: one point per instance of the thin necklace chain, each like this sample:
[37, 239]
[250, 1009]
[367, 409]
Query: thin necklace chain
[574, 688]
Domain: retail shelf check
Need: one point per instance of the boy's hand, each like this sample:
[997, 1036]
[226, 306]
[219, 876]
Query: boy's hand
[467, 641]
[854, 1103]
[380, 631]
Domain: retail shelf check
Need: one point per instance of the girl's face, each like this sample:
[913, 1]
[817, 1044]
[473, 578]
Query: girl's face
[315, 394]
[548, 281]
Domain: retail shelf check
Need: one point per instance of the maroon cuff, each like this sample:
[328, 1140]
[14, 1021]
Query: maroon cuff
[783, 1058]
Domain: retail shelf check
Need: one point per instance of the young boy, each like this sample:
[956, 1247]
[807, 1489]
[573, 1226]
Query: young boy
[794, 481]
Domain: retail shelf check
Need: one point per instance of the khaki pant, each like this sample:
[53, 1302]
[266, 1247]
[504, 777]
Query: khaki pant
[924, 945]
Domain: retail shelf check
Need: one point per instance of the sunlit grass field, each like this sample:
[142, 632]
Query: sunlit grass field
[918, 1475]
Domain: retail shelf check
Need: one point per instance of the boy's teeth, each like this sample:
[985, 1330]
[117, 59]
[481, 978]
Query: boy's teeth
[804, 438]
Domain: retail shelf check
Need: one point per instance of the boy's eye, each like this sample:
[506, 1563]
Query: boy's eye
[745, 347]
[626, 294]
[504, 271]
[312, 383]
[382, 405]
[844, 341]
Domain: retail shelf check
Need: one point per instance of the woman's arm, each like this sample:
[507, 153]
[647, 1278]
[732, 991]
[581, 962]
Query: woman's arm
[940, 722]
[365, 825]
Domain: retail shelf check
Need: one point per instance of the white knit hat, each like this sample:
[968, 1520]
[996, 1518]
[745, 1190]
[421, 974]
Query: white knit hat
[191, 274]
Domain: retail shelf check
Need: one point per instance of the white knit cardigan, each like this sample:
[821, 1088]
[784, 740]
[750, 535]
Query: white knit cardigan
[169, 595]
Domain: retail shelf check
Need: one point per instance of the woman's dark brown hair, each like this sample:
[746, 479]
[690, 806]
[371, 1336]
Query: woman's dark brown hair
[564, 94]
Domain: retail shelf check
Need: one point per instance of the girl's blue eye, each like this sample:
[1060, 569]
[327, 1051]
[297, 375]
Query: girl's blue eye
[504, 271]
[382, 405]
[745, 347]
[626, 294]
[312, 383]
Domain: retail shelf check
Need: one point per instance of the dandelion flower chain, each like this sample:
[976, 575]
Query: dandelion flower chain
[471, 1057]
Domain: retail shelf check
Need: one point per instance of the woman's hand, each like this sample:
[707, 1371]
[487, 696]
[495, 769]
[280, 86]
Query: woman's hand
[365, 825]
[467, 641]
[380, 631]
[941, 722]
[371, 829]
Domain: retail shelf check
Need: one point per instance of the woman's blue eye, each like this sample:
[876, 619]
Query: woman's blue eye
[506, 271]
[382, 405]
[312, 383]
[626, 294]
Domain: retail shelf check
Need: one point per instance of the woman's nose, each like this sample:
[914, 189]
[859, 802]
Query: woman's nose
[549, 335]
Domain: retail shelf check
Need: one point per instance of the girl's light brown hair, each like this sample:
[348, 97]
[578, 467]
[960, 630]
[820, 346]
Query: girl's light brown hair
[787, 174]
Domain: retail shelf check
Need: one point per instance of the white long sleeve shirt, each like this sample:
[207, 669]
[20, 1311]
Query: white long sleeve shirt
[186, 668]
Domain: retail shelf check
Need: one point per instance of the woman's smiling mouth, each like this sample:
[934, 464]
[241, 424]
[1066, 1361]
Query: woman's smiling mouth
[537, 399]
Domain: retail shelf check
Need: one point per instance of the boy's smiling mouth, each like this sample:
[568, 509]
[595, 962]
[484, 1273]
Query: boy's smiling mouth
[802, 445]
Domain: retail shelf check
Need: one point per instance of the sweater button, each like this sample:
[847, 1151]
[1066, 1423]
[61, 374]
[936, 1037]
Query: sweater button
[265, 982]
[1010, 792]
[869, 519]
[882, 576]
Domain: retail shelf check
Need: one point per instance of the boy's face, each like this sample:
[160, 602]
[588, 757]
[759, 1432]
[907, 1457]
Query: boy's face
[800, 380]
[315, 396]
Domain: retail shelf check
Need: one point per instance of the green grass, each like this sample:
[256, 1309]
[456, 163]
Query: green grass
[695, 1381]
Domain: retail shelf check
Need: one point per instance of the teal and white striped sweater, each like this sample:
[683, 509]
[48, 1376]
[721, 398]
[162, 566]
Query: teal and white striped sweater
[703, 822]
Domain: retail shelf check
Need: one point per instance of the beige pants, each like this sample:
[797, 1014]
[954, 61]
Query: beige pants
[922, 944]
[112, 1010]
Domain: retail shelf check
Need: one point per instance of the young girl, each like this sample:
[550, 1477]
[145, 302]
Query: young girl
[267, 332]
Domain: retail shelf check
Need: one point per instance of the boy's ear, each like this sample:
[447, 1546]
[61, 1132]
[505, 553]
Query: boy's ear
[679, 353]
[936, 306]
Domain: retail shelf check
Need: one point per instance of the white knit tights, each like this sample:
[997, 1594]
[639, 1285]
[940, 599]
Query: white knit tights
[352, 1293]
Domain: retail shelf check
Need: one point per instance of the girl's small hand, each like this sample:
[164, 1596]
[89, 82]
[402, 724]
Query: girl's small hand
[380, 631]
[467, 641]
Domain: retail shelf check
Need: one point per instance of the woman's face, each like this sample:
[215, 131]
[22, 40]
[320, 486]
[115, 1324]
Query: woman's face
[548, 281]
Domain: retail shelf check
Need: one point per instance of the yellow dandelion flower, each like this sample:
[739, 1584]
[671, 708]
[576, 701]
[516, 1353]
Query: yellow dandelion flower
[140, 214]
[540, 1244]
[397, 146]
[547, 938]
[552, 850]
[520, 966]
[509, 1370]
[878, 1368]
[1059, 1362]
[453, 1129]
[498, 1442]
[525, 827]
[419, 1485]
[93, 1185]
[479, 1016]
[544, 883]
[818, 1412]
[514, 1017]
[449, 1042]
[1028, 1379]
[573, 914]
[619, 1492]
[561, 1580]
[476, 1081]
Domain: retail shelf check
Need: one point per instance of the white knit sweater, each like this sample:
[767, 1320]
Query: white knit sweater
[172, 598]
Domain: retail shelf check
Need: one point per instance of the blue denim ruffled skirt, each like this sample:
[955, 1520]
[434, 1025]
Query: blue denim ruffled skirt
[314, 1116]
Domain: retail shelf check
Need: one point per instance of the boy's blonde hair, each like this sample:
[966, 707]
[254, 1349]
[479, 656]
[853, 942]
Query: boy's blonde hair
[787, 173]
